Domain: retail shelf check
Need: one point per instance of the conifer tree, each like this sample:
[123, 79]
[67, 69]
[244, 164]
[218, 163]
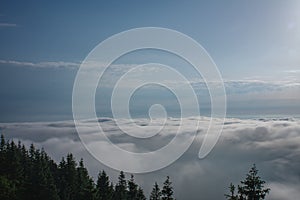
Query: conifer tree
[156, 193]
[132, 189]
[121, 188]
[68, 175]
[33, 175]
[84, 184]
[252, 187]
[7, 189]
[3, 160]
[232, 195]
[2, 143]
[45, 184]
[167, 191]
[140, 194]
[8, 186]
[103, 187]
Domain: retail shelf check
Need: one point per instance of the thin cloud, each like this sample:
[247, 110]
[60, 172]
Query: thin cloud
[293, 71]
[7, 25]
[57, 64]
[114, 69]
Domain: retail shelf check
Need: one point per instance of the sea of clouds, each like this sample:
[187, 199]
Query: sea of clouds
[272, 144]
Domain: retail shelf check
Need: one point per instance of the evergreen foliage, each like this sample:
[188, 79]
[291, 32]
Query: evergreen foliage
[31, 174]
[167, 191]
[104, 189]
[132, 189]
[252, 188]
[156, 193]
[120, 189]
[232, 195]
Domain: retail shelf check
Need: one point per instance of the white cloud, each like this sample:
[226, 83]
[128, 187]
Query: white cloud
[296, 71]
[8, 25]
[273, 144]
[284, 191]
[115, 71]
[57, 64]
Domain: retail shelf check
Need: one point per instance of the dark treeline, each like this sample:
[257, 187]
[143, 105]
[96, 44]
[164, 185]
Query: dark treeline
[252, 188]
[32, 174]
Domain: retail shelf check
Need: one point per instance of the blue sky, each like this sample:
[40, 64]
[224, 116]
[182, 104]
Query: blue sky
[255, 44]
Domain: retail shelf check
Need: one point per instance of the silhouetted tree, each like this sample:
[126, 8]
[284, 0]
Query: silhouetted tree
[68, 176]
[2, 143]
[33, 175]
[167, 191]
[104, 188]
[121, 188]
[8, 189]
[156, 193]
[25, 175]
[132, 189]
[45, 184]
[85, 185]
[252, 187]
[232, 195]
[140, 194]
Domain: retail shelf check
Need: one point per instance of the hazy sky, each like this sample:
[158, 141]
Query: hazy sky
[255, 44]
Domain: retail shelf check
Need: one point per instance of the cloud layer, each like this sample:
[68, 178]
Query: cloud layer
[273, 144]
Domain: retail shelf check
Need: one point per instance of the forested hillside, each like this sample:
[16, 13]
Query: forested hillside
[31, 174]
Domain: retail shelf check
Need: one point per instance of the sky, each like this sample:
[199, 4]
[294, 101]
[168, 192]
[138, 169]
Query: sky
[255, 45]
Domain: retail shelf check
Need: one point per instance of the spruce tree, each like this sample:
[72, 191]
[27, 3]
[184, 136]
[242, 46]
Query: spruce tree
[8, 189]
[140, 194]
[103, 187]
[252, 187]
[167, 191]
[33, 175]
[14, 168]
[232, 195]
[2, 143]
[84, 184]
[45, 182]
[156, 193]
[68, 175]
[132, 189]
[3, 160]
[121, 188]
[8, 165]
